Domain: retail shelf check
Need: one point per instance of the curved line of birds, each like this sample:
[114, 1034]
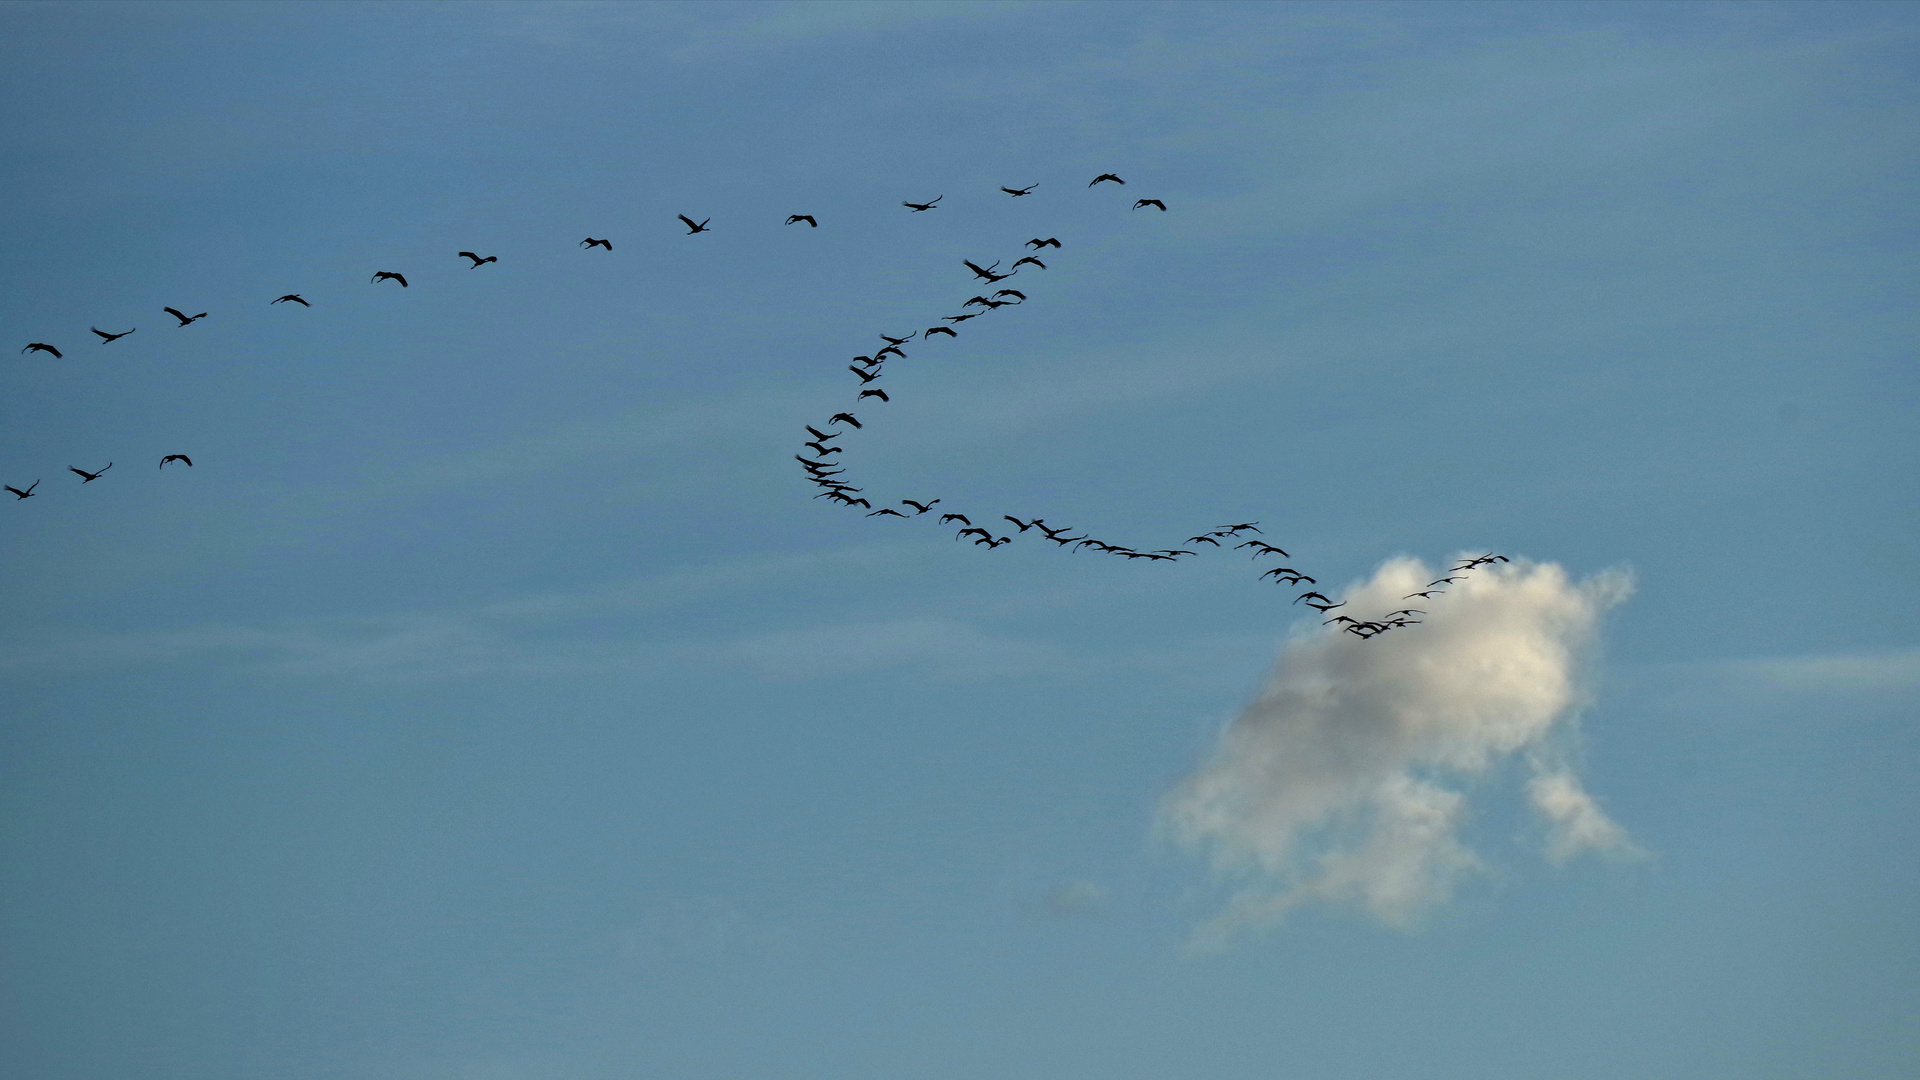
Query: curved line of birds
[869, 370]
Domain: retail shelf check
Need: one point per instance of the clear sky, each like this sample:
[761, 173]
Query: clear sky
[490, 700]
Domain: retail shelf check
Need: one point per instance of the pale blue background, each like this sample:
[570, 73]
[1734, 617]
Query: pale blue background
[490, 701]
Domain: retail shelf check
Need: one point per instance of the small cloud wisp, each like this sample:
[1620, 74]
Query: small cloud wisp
[1340, 783]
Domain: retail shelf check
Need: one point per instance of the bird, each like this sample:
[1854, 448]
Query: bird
[1036, 243]
[1444, 581]
[917, 207]
[18, 494]
[858, 502]
[41, 346]
[290, 298]
[1105, 176]
[691, 227]
[1203, 539]
[1024, 525]
[932, 330]
[1017, 263]
[1313, 596]
[1262, 548]
[985, 272]
[1405, 611]
[823, 449]
[840, 416]
[874, 392]
[808, 218]
[896, 340]
[1411, 595]
[176, 457]
[995, 305]
[1324, 608]
[1017, 192]
[887, 510]
[821, 435]
[981, 300]
[960, 318]
[106, 337]
[1150, 202]
[590, 243]
[1245, 526]
[478, 262]
[961, 518]
[183, 316]
[921, 507]
[388, 275]
[992, 543]
[1010, 292]
[1341, 618]
[89, 477]
[971, 531]
[1063, 541]
[894, 349]
[865, 376]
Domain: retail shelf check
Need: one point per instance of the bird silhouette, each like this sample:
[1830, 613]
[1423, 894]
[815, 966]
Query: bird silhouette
[89, 477]
[840, 417]
[1150, 202]
[985, 272]
[1105, 176]
[961, 518]
[183, 316]
[960, 318]
[1203, 539]
[972, 531]
[691, 227]
[41, 346]
[290, 298]
[932, 330]
[478, 262]
[1024, 525]
[808, 218]
[388, 275]
[887, 510]
[897, 340]
[921, 507]
[590, 243]
[18, 494]
[1017, 192]
[106, 337]
[865, 376]
[1036, 243]
[918, 207]
[1312, 596]
[1023, 260]
[894, 349]
[1011, 292]
[821, 435]
[176, 457]
[981, 300]
[1411, 595]
[823, 449]
[874, 392]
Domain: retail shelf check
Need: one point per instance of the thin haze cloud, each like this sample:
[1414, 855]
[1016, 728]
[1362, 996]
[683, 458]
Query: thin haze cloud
[1333, 786]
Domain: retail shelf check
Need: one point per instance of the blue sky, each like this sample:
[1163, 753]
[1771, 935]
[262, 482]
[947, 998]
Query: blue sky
[491, 701]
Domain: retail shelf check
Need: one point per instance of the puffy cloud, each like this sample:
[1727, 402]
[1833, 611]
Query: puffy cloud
[1341, 782]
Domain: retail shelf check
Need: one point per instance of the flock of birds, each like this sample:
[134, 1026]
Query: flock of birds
[870, 368]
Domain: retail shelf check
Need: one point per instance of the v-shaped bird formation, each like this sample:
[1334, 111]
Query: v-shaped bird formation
[982, 528]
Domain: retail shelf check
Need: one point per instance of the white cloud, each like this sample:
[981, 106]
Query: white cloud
[1338, 784]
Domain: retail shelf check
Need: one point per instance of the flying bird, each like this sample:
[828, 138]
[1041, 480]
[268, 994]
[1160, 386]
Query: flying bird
[691, 227]
[887, 510]
[960, 318]
[1203, 540]
[388, 275]
[865, 375]
[1411, 595]
[41, 346]
[917, 207]
[1024, 525]
[1150, 202]
[894, 349]
[981, 300]
[1017, 263]
[290, 298]
[971, 531]
[1444, 581]
[897, 340]
[961, 518]
[821, 435]
[1036, 243]
[176, 457]
[874, 392]
[823, 449]
[985, 272]
[841, 416]
[1105, 176]
[921, 507]
[106, 337]
[590, 243]
[1010, 292]
[1245, 526]
[1313, 596]
[478, 262]
[932, 330]
[1017, 192]
[89, 477]
[18, 494]
[183, 316]
[808, 218]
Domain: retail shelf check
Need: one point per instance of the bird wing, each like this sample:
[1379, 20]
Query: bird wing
[688, 220]
[175, 312]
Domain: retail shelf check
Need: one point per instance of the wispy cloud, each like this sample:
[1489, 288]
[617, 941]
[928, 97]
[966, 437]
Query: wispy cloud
[1896, 669]
[1340, 783]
